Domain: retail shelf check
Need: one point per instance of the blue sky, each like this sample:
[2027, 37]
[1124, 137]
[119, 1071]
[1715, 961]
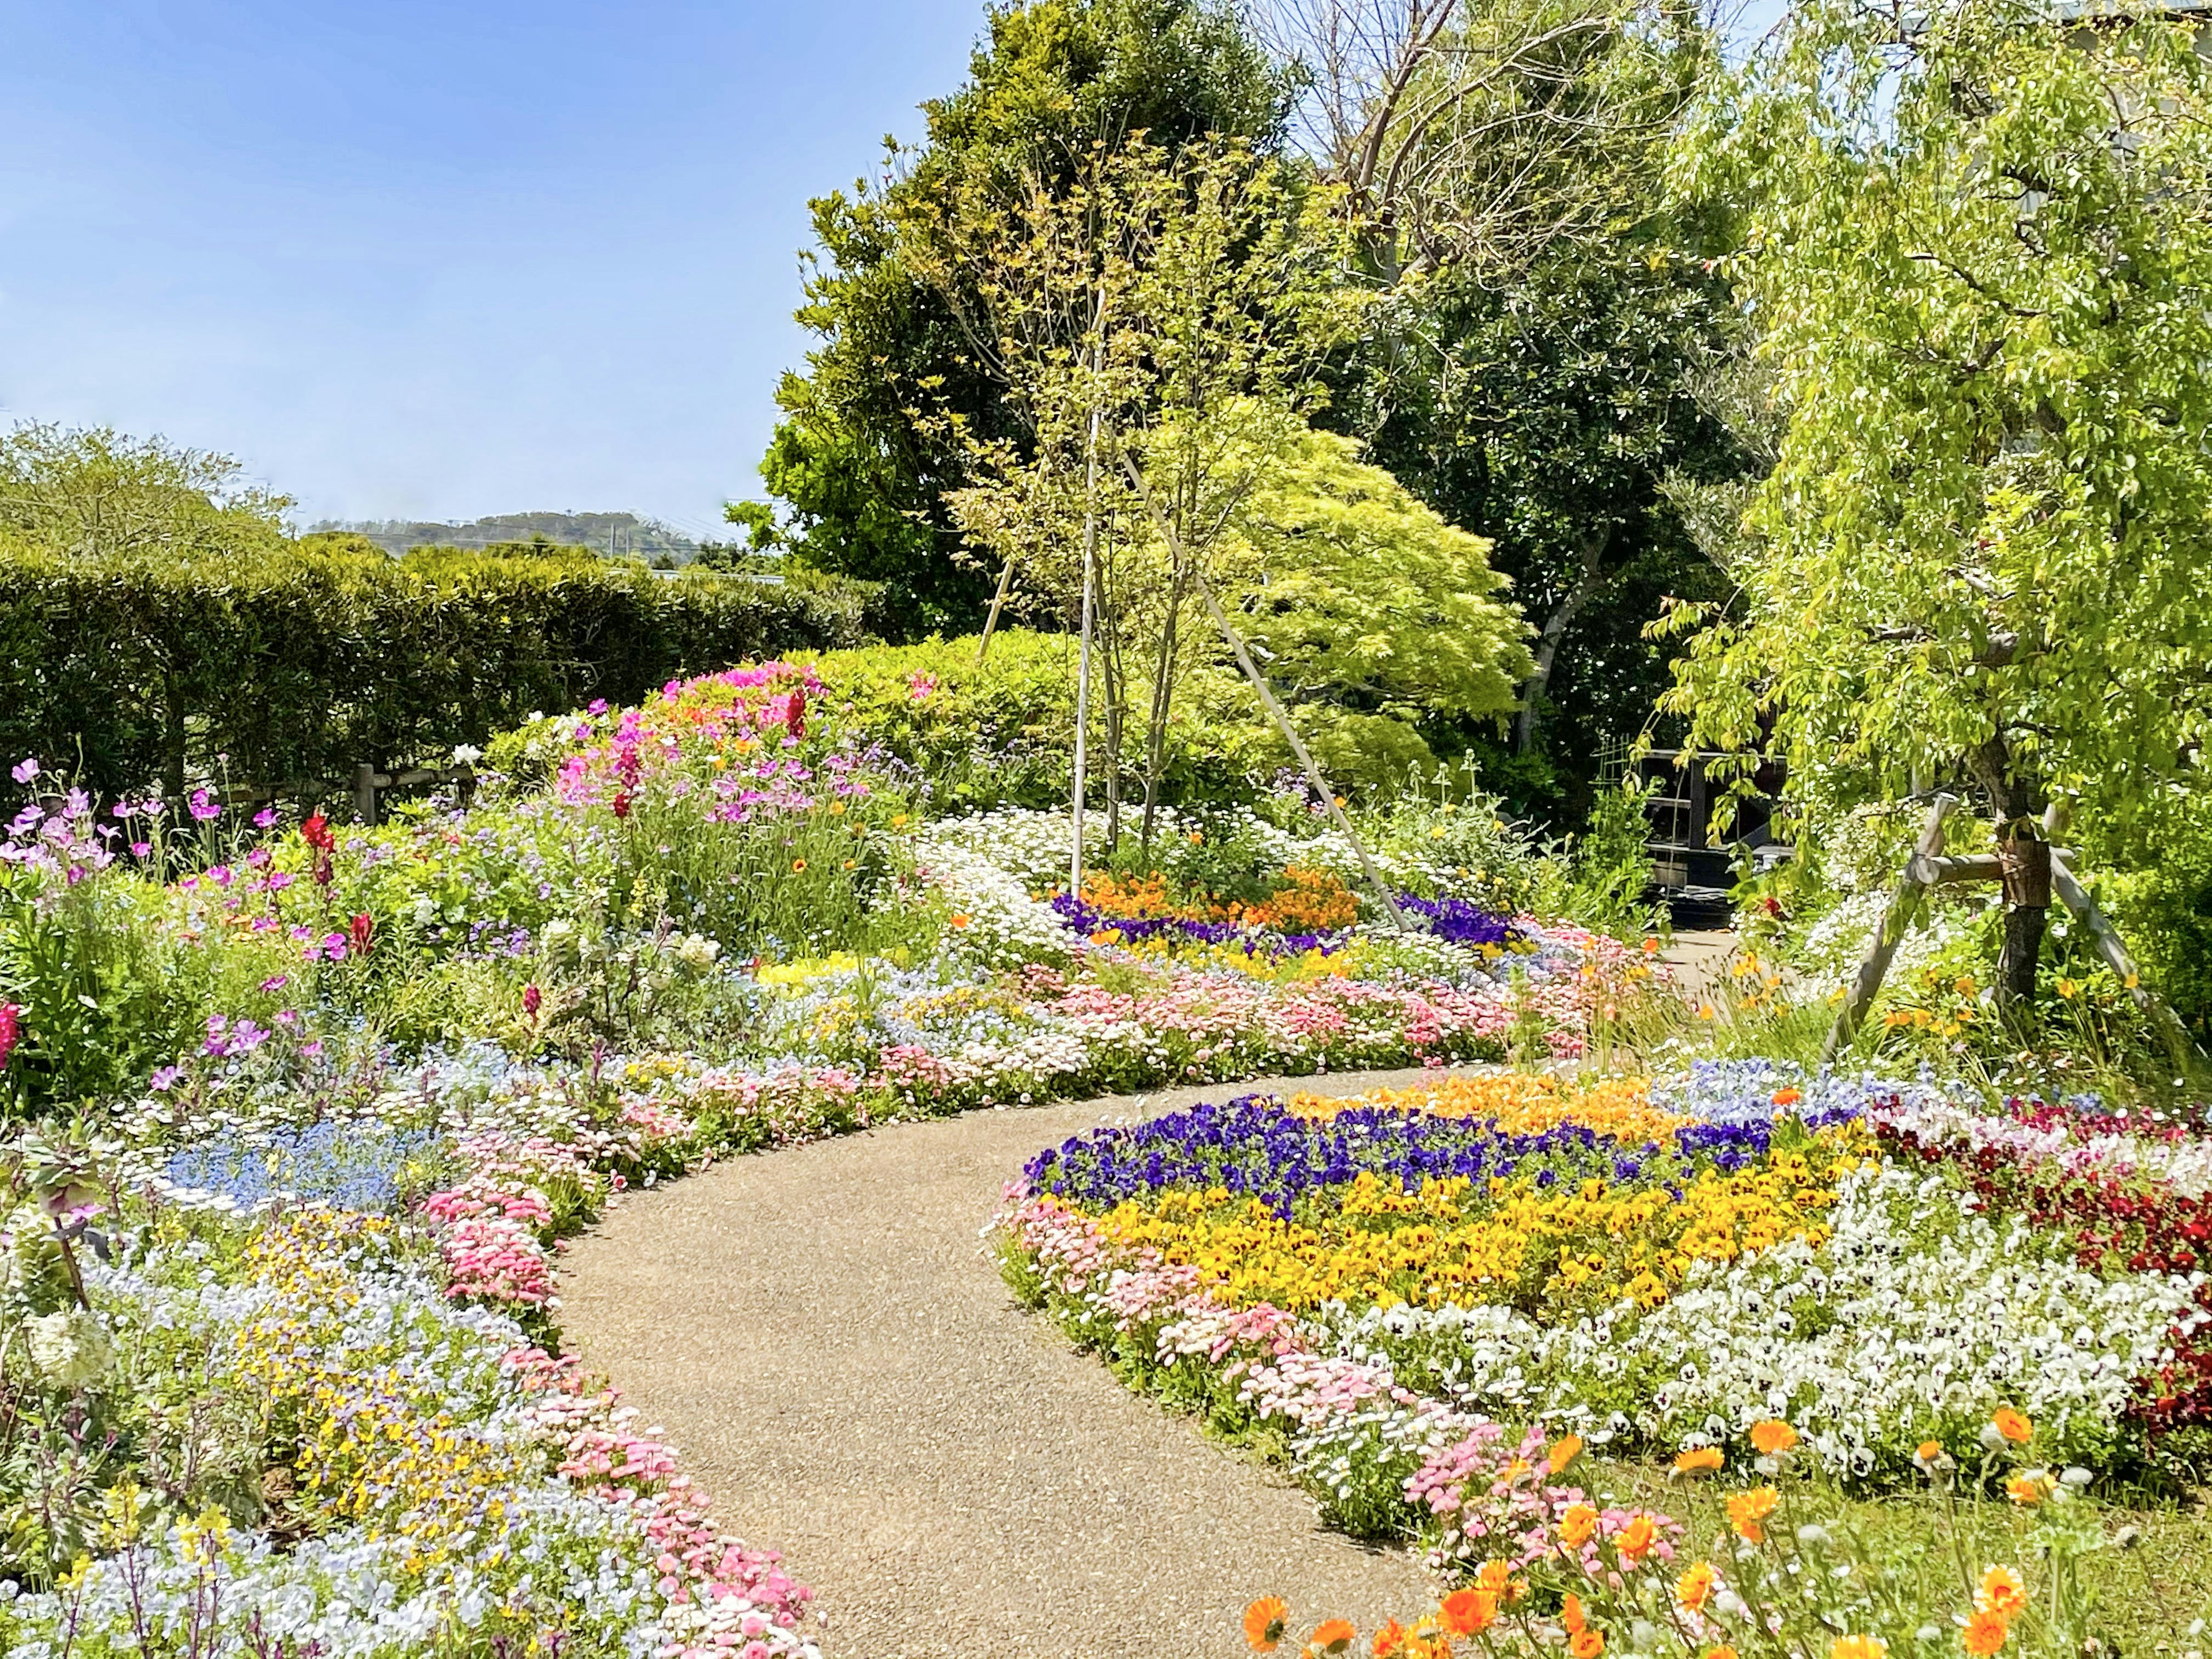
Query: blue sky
[410, 259]
[422, 260]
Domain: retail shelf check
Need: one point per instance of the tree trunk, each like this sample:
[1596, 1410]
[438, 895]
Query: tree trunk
[2024, 859]
[1156, 728]
[1547, 644]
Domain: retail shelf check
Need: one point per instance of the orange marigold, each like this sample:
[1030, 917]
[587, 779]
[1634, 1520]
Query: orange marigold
[1723, 1651]
[1858, 1647]
[1773, 1437]
[1389, 1640]
[1587, 1644]
[1695, 1588]
[1698, 1460]
[2013, 1426]
[2000, 1593]
[1634, 1541]
[1331, 1636]
[1565, 1453]
[1983, 1635]
[1468, 1612]
[1577, 1525]
[1571, 1617]
[1747, 1509]
[2023, 1491]
[1263, 1623]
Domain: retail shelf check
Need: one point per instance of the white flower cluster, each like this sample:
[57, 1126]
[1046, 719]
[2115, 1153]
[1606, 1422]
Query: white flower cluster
[1915, 1321]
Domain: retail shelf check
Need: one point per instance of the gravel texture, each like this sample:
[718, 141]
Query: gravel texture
[822, 1333]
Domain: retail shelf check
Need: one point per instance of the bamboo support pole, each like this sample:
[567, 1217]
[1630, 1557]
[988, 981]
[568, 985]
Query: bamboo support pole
[1920, 872]
[2075, 897]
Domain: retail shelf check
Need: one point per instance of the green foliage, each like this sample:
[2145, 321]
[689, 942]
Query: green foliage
[863, 474]
[1977, 245]
[2165, 912]
[1547, 415]
[1367, 595]
[1611, 867]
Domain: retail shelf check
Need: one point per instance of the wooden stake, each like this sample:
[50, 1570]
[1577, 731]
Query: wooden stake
[1919, 871]
[998, 604]
[1082, 669]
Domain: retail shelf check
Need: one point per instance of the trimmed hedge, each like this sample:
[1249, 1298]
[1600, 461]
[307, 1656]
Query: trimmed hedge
[299, 663]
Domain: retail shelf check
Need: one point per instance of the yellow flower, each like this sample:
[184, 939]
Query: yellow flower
[1698, 1460]
[1858, 1647]
[2000, 1593]
[1634, 1541]
[1577, 1525]
[1263, 1623]
[2013, 1426]
[1564, 1452]
[1983, 1635]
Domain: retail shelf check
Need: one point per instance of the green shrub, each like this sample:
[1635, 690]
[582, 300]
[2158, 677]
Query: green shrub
[1001, 732]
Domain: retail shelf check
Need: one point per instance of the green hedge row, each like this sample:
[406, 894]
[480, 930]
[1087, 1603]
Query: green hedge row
[301, 662]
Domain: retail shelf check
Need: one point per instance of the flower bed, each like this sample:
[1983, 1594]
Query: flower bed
[373, 1078]
[1370, 1281]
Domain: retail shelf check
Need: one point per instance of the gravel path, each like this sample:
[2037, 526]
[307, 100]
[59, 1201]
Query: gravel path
[821, 1331]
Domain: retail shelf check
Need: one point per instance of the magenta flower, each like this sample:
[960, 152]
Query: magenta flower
[204, 806]
[24, 770]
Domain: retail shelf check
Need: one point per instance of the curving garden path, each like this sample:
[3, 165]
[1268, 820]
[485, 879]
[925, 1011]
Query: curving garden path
[823, 1333]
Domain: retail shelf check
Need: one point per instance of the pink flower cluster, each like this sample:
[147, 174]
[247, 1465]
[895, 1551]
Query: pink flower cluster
[1481, 1491]
[726, 1601]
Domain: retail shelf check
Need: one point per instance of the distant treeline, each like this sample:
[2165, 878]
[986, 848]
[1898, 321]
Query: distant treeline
[617, 535]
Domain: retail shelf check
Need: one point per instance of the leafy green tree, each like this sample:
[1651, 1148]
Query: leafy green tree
[1363, 596]
[859, 459]
[1978, 242]
[1532, 377]
[1547, 413]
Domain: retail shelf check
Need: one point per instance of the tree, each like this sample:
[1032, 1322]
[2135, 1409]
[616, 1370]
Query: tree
[1977, 242]
[1362, 596]
[1158, 327]
[1161, 328]
[1548, 413]
[94, 493]
[859, 457]
[1482, 133]
[1534, 381]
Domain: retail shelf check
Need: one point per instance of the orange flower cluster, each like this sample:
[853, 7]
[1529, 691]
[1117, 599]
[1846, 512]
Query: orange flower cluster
[1493, 1599]
[1308, 902]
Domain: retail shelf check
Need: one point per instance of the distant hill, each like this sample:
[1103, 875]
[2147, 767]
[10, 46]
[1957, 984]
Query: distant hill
[619, 534]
